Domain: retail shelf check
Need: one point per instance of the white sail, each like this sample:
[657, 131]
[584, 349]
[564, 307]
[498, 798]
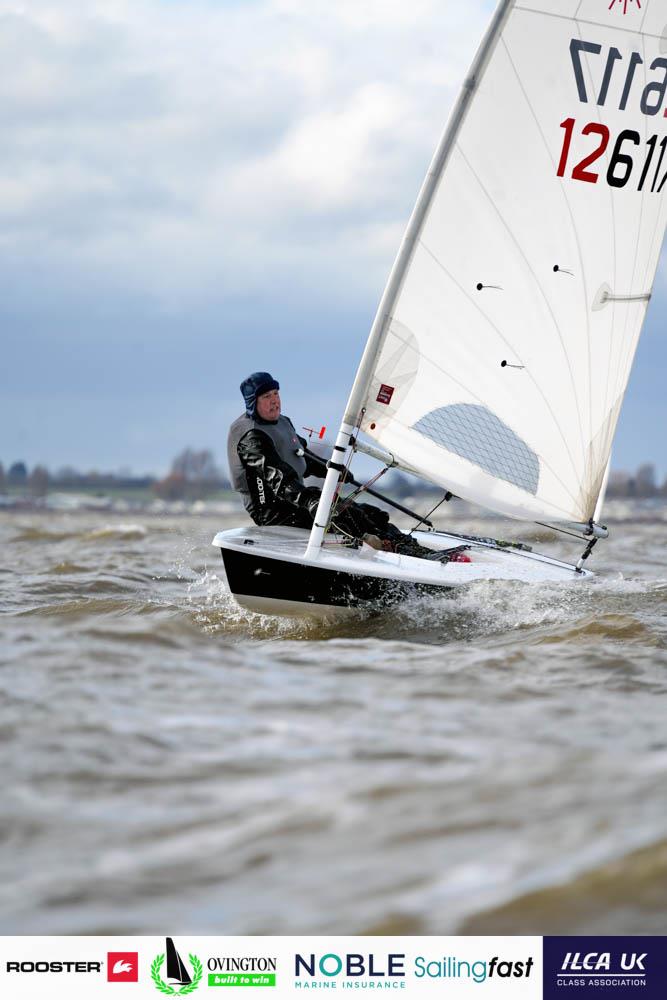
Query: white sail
[502, 348]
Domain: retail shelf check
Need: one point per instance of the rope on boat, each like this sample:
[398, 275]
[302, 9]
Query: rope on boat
[446, 498]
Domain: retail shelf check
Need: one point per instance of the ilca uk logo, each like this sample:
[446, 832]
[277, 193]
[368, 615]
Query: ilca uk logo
[621, 967]
[177, 972]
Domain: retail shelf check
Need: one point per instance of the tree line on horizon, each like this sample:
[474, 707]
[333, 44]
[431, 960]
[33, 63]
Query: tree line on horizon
[194, 475]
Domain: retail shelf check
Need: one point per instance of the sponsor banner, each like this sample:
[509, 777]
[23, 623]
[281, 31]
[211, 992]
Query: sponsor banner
[620, 968]
[495, 968]
[506, 968]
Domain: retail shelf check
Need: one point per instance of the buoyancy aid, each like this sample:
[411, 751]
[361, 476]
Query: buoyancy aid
[284, 438]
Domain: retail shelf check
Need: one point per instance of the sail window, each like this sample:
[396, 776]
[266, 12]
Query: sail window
[478, 435]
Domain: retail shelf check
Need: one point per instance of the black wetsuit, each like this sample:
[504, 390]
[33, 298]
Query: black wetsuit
[268, 464]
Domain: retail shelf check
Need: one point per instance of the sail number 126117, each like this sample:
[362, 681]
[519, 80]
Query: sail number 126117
[630, 158]
[629, 151]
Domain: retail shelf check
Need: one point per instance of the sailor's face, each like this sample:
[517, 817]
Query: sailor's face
[268, 405]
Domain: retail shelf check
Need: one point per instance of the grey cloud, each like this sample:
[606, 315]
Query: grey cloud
[191, 189]
[119, 116]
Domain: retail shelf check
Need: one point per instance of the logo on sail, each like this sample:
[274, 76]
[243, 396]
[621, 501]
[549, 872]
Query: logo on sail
[625, 4]
[177, 972]
[385, 394]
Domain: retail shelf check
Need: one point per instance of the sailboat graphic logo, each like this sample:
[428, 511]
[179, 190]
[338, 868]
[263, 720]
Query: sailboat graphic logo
[177, 973]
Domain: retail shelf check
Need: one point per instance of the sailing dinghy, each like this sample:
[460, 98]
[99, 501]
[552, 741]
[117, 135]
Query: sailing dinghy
[501, 350]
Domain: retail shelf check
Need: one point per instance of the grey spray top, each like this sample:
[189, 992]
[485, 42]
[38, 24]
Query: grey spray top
[281, 433]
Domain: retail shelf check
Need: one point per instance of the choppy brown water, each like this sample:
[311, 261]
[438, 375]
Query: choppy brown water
[493, 762]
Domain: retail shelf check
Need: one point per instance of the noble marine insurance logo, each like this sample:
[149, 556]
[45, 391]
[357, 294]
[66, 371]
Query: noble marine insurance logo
[313, 971]
[177, 972]
[621, 967]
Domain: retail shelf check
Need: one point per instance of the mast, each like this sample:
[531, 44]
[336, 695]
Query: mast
[383, 316]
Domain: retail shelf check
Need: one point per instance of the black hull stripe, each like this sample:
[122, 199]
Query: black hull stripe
[253, 575]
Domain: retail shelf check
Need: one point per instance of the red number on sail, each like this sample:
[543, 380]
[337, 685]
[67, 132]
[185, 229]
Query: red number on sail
[580, 173]
[568, 125]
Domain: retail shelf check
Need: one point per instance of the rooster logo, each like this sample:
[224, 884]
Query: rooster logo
[625, 4]
[122, 966]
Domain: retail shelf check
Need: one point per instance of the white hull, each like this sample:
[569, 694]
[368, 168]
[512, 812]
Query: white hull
[268, 571]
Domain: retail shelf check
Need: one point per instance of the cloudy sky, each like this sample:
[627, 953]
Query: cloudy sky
[194, 189]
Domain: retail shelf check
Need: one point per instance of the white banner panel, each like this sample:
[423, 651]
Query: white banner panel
[494, 968]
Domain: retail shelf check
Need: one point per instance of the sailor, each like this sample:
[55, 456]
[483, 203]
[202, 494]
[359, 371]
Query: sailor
[268, 463]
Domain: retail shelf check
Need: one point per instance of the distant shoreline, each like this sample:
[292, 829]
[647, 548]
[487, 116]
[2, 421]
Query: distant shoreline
[616, 509]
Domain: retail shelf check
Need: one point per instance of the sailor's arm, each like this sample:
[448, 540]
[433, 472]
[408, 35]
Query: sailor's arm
[315, 466]
[261, 461]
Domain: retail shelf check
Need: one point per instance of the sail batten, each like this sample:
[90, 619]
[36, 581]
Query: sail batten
[500, 354]
[447, 375]
[544, 296]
